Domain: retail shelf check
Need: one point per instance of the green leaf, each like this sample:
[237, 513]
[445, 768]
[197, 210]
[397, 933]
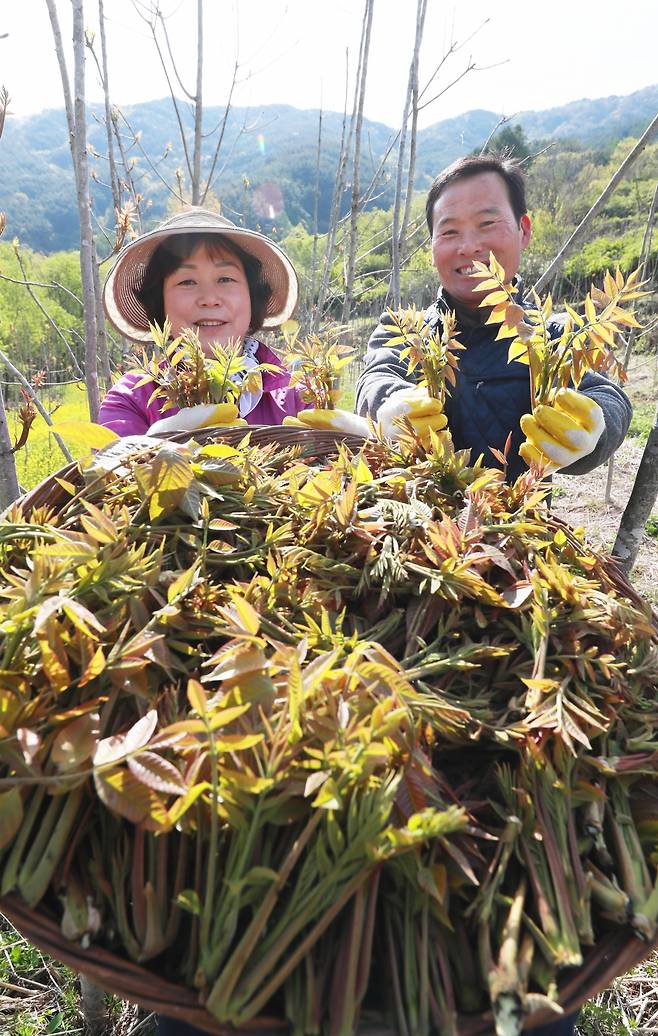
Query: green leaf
[189, 900]
[197, 697]
[183, 583]
[56, 1023]
[86, 434]
[164, 482]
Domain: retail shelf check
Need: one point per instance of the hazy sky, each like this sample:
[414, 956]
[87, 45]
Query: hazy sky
[293, 52]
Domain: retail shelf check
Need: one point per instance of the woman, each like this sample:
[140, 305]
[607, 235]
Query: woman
[200, 271]
[226, 283]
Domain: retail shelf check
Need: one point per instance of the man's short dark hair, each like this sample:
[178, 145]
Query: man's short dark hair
[507, 168]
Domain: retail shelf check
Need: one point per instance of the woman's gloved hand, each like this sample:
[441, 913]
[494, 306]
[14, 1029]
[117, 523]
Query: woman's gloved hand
[190, 418]
[336, 420]
[560, 434]
[424, 413]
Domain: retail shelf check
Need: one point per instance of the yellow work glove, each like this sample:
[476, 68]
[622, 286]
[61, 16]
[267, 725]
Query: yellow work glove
[203, 416]
[560, 434]
[336, 420]
[424, 413]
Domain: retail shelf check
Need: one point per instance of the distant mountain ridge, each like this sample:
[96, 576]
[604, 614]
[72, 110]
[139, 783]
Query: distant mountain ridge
[268, 166]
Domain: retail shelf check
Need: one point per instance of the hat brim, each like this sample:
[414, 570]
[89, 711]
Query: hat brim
[127, 314]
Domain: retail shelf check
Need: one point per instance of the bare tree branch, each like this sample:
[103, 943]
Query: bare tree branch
[37, 402]
[198, 107]
[316, 200]
[221, 134]
[339, 187]
[155, 13]
[360, 90]
[114, 177]
[412, 94]
[37, 301]
[76, 119]
[501, 122]
[138, 144]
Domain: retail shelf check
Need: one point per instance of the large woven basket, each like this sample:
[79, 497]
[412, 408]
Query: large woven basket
[615, 953]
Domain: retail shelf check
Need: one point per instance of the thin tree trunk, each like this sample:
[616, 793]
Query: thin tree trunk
[642, 499]
[76, 121]
[9, 488]
[339, 187]
[570, 244]
[411, 171]
[316, 199]
[84, 210]
[360, 91]
[102, 344]
[198, 108]
[399, 228]
[395, 232]
[114, 176]
[94, 1007]
[64, 75]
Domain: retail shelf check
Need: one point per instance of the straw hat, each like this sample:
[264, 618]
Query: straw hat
[127, 313]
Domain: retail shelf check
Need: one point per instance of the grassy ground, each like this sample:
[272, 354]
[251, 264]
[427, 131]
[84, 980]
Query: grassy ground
[42, 455]
[39, 996]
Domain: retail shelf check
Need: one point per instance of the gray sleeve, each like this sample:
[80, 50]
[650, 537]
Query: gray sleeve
[617, 412]
[383, 373]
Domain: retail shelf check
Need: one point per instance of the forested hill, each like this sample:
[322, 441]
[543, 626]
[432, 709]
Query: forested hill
[267, 166]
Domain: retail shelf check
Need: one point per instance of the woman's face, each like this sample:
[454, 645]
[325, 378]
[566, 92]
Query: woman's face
[209, 293]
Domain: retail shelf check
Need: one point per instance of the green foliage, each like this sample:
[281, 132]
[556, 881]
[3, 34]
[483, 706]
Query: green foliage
[642, 421]
[41, 455]
[604, 1019]
[510, 140]
[49, 1003]
[26, 335]
[563, 185]
[651, 528]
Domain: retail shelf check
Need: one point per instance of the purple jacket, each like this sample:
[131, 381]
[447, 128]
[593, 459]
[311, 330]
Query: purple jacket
[126, 409]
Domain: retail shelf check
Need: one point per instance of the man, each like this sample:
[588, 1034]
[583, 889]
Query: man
[474, 207]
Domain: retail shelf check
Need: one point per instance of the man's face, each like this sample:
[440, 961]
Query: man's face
[473, 217]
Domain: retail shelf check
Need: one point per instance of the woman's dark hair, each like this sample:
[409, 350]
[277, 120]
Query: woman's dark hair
[173, 252]
[508, 170]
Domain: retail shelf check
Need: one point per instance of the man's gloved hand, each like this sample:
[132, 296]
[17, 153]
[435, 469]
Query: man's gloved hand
[203, 416]
[560, 434]
[424, 413]
[337, 420]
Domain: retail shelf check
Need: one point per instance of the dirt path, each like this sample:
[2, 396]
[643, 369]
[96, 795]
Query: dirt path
[579, 500]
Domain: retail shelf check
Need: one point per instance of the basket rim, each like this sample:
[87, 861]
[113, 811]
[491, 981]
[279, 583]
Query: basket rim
[614, 954]
[49, 492]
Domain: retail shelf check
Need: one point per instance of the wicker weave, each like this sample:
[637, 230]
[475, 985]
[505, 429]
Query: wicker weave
[311, 442]
[615, 953]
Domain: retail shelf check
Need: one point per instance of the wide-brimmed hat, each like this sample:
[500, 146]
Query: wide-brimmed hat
[127, 313]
